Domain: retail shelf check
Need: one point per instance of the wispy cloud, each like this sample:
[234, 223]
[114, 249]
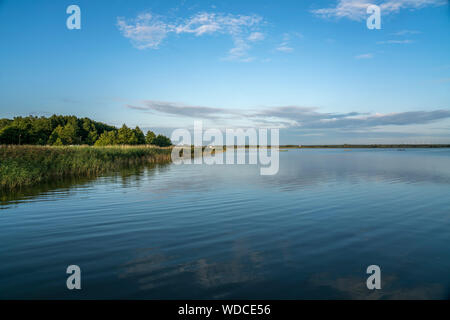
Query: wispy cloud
[405, 32]
[312, 118]
[147, 31]
[179, 109]
[364, 56]
[240, 51]
[256, 36]
[296, 116]
[396, 42]
[285, 48]
[285, 45]
[356, 9]
[204, 23]
[346, 121]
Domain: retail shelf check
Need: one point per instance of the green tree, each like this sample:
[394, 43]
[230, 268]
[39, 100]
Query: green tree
[150, 136]
[4, 123]
[91, 137]
[55, 135]
[41, 130]
[58, 142]
[107, 138]
[68, 129]
[69, 134]
[139, 135]
[162, 141]
[12, 135]
[126, 135]
[88, 132]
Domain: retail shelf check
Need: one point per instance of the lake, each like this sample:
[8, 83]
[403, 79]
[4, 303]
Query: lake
[226, 232]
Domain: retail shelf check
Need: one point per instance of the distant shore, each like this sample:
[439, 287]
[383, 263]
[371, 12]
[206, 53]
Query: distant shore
[350, 146]
[362, 146]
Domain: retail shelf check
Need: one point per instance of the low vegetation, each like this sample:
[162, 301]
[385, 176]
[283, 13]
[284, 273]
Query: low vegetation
[22, 166]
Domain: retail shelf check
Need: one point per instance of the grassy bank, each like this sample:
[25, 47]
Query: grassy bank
[22, 166]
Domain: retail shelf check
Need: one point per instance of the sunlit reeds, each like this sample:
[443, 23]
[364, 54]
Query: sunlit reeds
[27, 165]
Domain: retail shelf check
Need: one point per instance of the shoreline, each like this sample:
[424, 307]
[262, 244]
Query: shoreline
[28, 165]
[346, 146]
[23, 166]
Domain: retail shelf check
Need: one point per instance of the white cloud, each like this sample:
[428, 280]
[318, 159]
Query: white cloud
[395, 42]
[256, 36]
[295, 116]
[239, 51]
[352, 9]
[284, 48]
[285, 45]
[364, 56]
[204, 23]
[405, 32]
[147, 31]
[239, 27]
[356, 9]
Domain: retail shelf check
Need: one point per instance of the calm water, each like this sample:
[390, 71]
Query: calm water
[198, 231]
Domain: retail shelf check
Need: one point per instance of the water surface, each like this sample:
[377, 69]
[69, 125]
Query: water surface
[224, 231]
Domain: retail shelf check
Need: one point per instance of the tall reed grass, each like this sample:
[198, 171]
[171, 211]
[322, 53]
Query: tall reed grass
[28, 165]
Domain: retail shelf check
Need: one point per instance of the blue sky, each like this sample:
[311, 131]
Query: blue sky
[311, 68]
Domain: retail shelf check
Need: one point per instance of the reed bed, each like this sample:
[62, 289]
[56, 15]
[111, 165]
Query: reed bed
[22, 166]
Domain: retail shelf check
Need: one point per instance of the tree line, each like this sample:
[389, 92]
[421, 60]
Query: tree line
[59, 130]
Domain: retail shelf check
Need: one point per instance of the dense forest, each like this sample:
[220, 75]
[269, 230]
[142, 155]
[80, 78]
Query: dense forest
[60, 130]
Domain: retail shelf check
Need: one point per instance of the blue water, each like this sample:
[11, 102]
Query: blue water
[225, 231]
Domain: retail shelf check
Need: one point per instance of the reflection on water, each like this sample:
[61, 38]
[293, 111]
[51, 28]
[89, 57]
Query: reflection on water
[65, 186]
[354, 287]
[198, 231]
[244, 267]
